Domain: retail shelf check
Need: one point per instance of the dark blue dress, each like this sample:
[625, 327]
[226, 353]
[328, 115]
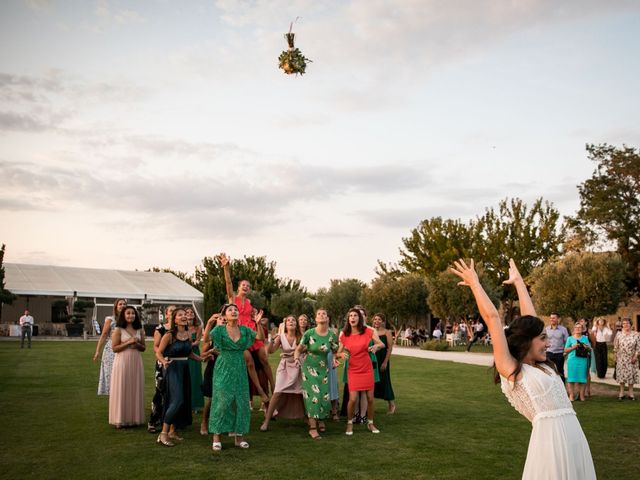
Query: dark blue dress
[177, 401]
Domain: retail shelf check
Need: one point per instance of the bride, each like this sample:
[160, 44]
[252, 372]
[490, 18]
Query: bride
[558, 448]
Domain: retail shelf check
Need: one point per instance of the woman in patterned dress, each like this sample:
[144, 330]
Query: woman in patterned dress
[316, 342]
[208, 353]
[106, 364]
[157, 402]
[355, 338]
[230, 411]
[287, 395]
[626, 347]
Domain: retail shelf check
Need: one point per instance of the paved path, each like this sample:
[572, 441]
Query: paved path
[482, 359]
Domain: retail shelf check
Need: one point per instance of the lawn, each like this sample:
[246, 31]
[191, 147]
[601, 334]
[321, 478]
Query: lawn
[452, 423]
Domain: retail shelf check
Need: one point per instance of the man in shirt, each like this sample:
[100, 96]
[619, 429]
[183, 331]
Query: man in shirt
[26, 324]
[557, 337]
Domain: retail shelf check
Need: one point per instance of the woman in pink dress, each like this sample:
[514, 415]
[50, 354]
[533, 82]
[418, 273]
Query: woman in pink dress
[355, 339]
[287, 394]
[126, 399]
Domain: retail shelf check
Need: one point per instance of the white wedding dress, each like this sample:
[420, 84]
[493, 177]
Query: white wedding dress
[558, 449]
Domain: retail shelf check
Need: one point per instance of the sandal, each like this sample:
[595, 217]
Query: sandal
[335, 417]
[372, 428]
[165, 441]
[175, 436]
[349, 428]
[203, 431]
[242, 444]
[313, 433]
[392, 409]
[263, 427]
[216, 446]
[321, 427]
[151, 428]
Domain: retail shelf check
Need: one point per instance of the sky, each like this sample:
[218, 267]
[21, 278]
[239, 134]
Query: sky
[154, 133]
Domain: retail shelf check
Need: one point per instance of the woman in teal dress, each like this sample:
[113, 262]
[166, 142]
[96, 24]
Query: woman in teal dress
[317, 343]
[195, 368]
[383, 388]
[230, 411]
[577, 367]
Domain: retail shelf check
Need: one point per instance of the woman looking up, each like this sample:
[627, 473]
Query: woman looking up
[241, 300]
[126, 399]
[355, 339]
[558, 448]
[106, 364]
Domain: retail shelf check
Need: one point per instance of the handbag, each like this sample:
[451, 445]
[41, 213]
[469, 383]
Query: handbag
[582, 351]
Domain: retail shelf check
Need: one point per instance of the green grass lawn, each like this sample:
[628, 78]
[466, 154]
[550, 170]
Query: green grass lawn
[452, 423]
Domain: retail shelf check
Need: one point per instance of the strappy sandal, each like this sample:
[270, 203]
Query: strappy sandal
[165, 441]
[349, 425]
[313, 433]
[370, 425]
[216, 446]
[322, 427]
[242, 444]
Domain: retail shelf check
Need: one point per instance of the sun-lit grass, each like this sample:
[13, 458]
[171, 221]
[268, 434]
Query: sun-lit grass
[452, 423]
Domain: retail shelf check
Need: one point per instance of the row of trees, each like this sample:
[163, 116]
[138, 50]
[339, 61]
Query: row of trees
[579, 266]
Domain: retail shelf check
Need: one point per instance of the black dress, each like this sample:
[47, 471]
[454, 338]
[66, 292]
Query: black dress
[177, 400]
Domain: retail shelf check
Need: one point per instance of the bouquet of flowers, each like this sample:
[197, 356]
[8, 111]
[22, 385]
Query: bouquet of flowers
[292, 60]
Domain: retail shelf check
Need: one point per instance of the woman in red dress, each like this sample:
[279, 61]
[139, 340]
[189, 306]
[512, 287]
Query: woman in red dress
[355, 339]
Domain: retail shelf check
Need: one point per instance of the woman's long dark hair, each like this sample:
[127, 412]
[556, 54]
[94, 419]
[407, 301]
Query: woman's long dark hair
[173, 328]
[347, 328]
[520, 334]
[122, 323]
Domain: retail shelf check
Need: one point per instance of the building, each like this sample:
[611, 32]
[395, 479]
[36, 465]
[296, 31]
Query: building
[53, 293]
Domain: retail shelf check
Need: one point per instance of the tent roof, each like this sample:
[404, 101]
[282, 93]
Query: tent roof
[24, 279]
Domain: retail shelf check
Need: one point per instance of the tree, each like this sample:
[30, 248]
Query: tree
[450, 301]
[610, 205]
[5, 295]
[293, 302]
[435, 244]
[531, 236]
[398, 298]
[340, 297]
[579, 285]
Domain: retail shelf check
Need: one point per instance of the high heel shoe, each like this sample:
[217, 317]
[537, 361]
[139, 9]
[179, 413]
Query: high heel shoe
[165, 441]
[349, 425]
[372, 428]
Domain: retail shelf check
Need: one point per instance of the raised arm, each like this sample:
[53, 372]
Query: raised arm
[224, 260]
[505, 363]
[515, 279]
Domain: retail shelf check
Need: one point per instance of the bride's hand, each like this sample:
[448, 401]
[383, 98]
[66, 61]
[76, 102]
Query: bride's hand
[466, 272]
[514, 274]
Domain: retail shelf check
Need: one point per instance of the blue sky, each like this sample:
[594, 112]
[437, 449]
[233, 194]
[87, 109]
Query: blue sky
[153, 133]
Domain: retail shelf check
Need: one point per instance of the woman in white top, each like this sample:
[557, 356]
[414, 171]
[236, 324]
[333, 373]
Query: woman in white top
[558, 448]
[603, 335]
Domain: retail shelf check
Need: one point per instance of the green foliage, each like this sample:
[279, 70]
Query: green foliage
[579, 285]
[292, 61]
[292, 303]
[340, 297]
[5, 295]
[435, 244]
[398, 298]
[436, 345]
[450, 301]
[610, 205]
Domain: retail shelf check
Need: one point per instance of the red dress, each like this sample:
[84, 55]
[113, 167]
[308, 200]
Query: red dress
[245, 309]
[360, 371]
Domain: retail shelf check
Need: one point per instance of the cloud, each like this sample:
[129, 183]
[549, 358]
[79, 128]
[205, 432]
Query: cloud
[119, 16]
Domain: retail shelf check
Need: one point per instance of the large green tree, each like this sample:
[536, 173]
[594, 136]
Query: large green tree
[579, 285]
[610, 205]
[434, 244]
[293, 302]
[340, 297]
[450, 301]
[400, 299]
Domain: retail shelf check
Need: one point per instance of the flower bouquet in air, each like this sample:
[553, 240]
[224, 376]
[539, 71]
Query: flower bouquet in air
[291, 60]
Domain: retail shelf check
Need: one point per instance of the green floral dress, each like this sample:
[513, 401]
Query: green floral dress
[315, 372]
[230, 397]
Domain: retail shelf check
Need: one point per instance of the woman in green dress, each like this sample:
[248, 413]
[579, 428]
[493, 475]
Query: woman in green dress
[317, 342]
[230, 411]
[195, 368]
[383, 388]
